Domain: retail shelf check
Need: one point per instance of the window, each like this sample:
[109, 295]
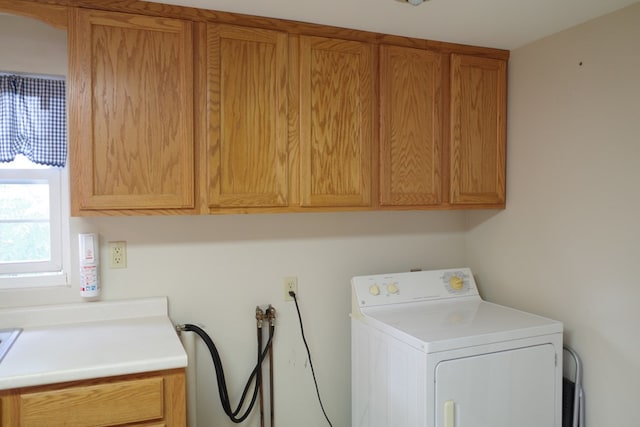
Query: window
[34, 199]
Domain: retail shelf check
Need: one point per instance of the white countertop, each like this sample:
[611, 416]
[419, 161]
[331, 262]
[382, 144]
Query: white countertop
[89, 340]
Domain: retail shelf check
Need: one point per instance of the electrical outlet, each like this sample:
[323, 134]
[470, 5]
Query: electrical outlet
[290, 284]
[118, 254]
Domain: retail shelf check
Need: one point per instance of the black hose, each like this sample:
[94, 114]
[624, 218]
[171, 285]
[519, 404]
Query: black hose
[222, 385]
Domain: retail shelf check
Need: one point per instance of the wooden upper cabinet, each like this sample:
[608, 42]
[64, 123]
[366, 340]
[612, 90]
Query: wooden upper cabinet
[478, 130]
[131, 112]
[247, 117]
[410, 126]
[171, 116]
[336, 122]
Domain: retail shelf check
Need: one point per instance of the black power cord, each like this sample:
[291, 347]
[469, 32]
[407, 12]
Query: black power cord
[313, 372]
[222, 385]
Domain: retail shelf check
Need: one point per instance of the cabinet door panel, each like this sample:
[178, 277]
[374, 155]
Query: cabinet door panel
[151, 399]
[336, 96]
[104, 405]
[247, 113]
[131, 127]
[478, 130]
[410, 126]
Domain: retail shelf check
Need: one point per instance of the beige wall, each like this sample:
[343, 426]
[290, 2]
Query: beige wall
[568, 243]
[565, 246]
[216, 269]
[28, 46]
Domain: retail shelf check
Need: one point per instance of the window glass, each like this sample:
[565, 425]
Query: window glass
[24, 222]
[33, 225]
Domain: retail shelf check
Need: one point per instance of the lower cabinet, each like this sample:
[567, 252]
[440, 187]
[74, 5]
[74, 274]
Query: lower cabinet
[151, 399]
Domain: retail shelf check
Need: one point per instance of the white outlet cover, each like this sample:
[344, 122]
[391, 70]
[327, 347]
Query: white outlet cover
[118, 254]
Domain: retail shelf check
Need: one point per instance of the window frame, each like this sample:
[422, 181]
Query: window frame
[55, 272]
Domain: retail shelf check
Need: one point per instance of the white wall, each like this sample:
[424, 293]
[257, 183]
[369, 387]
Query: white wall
[568, 243]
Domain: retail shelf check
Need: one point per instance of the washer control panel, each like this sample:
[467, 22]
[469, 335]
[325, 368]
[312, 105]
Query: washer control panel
[396, 288]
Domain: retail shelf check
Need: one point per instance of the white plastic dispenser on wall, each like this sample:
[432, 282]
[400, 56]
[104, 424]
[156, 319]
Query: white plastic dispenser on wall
[89, 265]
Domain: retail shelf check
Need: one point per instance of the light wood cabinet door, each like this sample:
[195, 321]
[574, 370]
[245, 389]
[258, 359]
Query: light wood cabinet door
[131, 112]
[149, 399]
[336, 122]
[478, 130]
[410, 126]
[247, 117]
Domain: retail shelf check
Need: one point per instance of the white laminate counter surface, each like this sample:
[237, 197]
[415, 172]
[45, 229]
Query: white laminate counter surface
[105, 341]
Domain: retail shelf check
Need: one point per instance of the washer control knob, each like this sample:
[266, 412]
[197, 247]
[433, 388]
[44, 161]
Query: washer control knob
[456, 283]
[374, 290]
[392, 288]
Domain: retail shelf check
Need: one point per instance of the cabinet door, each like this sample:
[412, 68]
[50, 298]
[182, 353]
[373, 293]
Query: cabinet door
[131, 112]
[149, 399]
[336, 110]
[247, 114]
[92, 405]
[410, 126]
[478, 130]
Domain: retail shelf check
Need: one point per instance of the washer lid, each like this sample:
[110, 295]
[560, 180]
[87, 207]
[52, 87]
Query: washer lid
[434, 327]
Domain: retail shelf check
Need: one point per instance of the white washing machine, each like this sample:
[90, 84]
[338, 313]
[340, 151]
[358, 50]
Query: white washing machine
[427, 351]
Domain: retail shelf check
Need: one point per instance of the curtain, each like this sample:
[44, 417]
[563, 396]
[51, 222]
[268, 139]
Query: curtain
[33, 120]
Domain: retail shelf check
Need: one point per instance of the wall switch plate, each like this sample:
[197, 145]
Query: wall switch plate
[290, 284]
[118, 254]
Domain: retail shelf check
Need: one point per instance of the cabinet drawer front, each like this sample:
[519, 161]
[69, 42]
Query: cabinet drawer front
[99, 405]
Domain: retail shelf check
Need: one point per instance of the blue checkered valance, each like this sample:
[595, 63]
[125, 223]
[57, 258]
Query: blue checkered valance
[33, 120]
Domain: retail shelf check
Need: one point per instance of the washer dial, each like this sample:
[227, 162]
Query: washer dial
[392, 288]
[456, 282]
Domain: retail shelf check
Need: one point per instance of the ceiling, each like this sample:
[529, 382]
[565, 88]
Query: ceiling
[505, 24]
